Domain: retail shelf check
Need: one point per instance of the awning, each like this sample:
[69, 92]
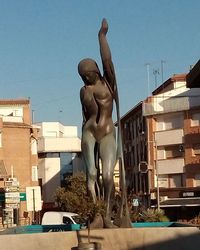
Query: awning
[181, 202]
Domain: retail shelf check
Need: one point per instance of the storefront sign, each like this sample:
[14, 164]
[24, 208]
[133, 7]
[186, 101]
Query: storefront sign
[2, 197]
[12, 195]
[22, 196]
[12, 205]
[188, 194]
[12, 189]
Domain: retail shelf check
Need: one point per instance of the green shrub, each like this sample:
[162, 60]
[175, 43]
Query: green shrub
[73, 197]
[153, 215]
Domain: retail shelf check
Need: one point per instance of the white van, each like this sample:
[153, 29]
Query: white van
[60, 218]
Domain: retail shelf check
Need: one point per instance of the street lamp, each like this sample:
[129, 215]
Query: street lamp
[157, 173]
[142, 166]
[157, 177]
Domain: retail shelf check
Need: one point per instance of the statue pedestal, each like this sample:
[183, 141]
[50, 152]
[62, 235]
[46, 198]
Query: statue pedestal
[89, 246]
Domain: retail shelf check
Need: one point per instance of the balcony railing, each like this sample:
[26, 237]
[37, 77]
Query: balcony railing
[59, 144]
[169, 137]
[171, 166]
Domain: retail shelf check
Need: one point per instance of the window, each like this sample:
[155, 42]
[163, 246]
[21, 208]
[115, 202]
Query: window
[196, 149]
[66, 164]
[34, 173]
[175, 180]
[197, 180]
[173, 151]
[163, 181]
[49, 155]
[67, 220]
[195, 121]
[167, 122]
[78, 219]
[33, 146]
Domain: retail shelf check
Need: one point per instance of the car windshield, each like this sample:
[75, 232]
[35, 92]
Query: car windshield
[78, 219]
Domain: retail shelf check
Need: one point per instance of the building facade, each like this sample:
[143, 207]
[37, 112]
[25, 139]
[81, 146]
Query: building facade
[134, 134]
[173, 114]
[161, 139]
[18, 158]
[59, 153]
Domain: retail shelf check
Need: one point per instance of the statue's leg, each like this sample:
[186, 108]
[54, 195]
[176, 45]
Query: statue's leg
[108, 158]
[87, 146]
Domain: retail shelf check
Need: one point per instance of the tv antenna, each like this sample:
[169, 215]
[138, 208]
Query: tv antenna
[148, 78]
[156, 73]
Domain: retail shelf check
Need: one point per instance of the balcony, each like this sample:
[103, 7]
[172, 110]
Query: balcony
[169, 137]
[18, 119]
[171, 166]
[161, 105]
[53, 144]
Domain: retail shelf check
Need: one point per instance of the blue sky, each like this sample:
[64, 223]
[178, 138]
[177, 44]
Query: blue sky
[42, 41]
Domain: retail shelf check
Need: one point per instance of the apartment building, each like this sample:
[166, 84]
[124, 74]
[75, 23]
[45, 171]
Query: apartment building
[173, 116]
[18, 158]
[59, 153]
[193, 130]
[135, 148]
[161, 139]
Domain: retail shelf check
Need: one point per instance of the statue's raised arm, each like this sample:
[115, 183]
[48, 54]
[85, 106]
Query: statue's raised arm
[108, 67]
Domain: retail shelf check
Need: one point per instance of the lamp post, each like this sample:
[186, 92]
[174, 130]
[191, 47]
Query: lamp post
[154, 143]
[157, 176]
[157, 173]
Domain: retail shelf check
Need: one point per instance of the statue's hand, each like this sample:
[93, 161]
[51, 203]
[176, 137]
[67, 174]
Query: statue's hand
[104, 27]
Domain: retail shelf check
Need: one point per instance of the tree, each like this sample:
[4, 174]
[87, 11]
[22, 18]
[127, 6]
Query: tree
[73, 197]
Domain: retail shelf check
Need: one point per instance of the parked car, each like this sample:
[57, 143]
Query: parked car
[61, 218]
[51, 222]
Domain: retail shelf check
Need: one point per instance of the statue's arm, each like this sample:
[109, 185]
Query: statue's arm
[108, 67]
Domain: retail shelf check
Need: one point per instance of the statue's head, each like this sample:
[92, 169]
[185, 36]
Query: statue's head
[87, 65]
[88, 70]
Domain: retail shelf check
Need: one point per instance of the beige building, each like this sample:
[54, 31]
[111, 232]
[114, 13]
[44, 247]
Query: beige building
[161, 148]
[59, 153]
[18, 158]
[173, 119]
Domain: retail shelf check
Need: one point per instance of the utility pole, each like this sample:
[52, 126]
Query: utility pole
[60, 115]
[162, 71]
[156, 73]
[148, 78]
[33, 112]
[157, 176]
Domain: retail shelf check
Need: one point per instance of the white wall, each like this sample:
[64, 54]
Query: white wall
[59, 144]
[54, 137]
[52, 177]
[56, 129]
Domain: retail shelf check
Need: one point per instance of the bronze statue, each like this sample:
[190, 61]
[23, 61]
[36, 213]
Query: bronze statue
[98, 131]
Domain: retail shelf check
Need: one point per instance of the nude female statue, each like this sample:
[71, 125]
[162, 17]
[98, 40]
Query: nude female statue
[98, 130]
